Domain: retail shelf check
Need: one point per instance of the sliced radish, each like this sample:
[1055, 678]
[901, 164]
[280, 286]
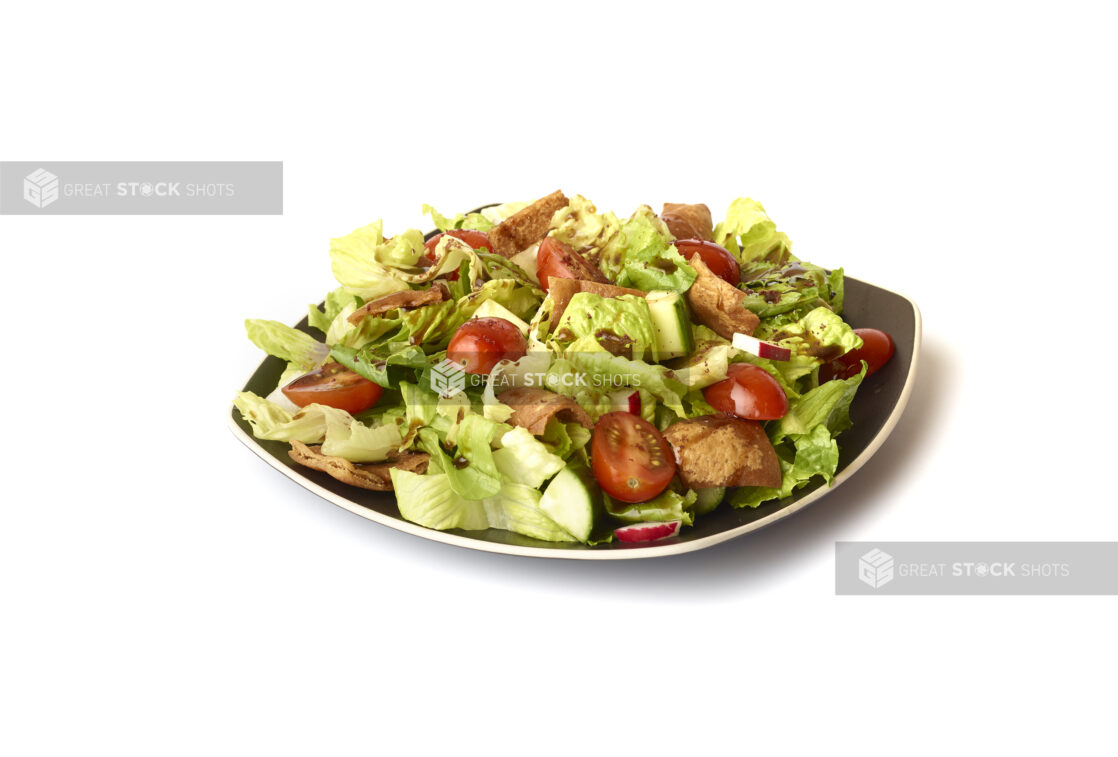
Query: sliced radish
[626, 401]
[647, 531]
[755, 346]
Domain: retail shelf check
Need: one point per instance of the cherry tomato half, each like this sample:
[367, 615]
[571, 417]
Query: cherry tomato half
[632, 461]
[475, 239]
[481, 343]
[877, 347]
[335, 385]
[717, 258]
[749, 392]
[555, 259]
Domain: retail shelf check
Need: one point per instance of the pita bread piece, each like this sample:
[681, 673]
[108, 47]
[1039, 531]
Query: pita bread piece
[374, 476]
[688, 221]
[533, 407]
[526, 226]
[717, 304]
[409, 299]
[721, 450]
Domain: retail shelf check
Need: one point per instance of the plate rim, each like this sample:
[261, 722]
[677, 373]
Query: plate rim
[588, 553]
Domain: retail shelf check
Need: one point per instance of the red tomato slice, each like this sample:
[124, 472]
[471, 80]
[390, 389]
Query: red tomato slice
[335, 385]
[475, 239]
[749, 392]
[877, 347]
[632, 461]
[480, 343]
[555, 259]
[717, 258]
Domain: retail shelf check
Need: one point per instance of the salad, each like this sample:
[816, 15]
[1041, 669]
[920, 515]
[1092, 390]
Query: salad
[568, 374]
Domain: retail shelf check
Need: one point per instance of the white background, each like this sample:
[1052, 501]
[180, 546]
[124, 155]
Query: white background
[162, 591]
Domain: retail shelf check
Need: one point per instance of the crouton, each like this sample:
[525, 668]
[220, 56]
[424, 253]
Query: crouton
[717, 304]
[373, 476]
[721, 450]
[527, 226]
[688, 221]
[532, 408]
[408, 299]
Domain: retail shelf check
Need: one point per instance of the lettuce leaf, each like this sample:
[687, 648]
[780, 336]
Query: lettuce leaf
[667, 506]
[602, 370]
[523, 459]
[581, 227]
[641, 255]
[751, 236]
[286, 343]
[384, 364]
[431, 500]
[358, 260]
[335, 303]
[339, 433]
[625, 320]
[805, 440]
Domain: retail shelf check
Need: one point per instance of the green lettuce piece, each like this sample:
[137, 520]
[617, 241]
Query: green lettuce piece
[523, 459]
[667, 506]
[286, 343]
[623, 321]
[813, 454]
[475, 221]
[498, 213]
[522, 300]
[420, 404]
[581, 227]
[641, 255]
[378, 363]
[359, 260]
[472, 472]
[791, 290]
[820, 334]
[270, 421]
[827, 404]
[431, 500]
[563, 439]
[601, 372]
[336, 430]
[351, 439]
[751, 236]
[517, 509]
[805, 440]
[336, 301]
[442, 223]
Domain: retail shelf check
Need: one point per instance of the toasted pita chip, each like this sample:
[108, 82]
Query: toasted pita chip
[527, 226]
[562, 290]
[373, 476]
[717, 304]
[409, 298]
[714, 450]
[688, 221]
[532, 408]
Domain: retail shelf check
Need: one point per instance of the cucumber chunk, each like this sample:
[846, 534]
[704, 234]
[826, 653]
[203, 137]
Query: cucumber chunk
[573, 500]
[672, 324]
